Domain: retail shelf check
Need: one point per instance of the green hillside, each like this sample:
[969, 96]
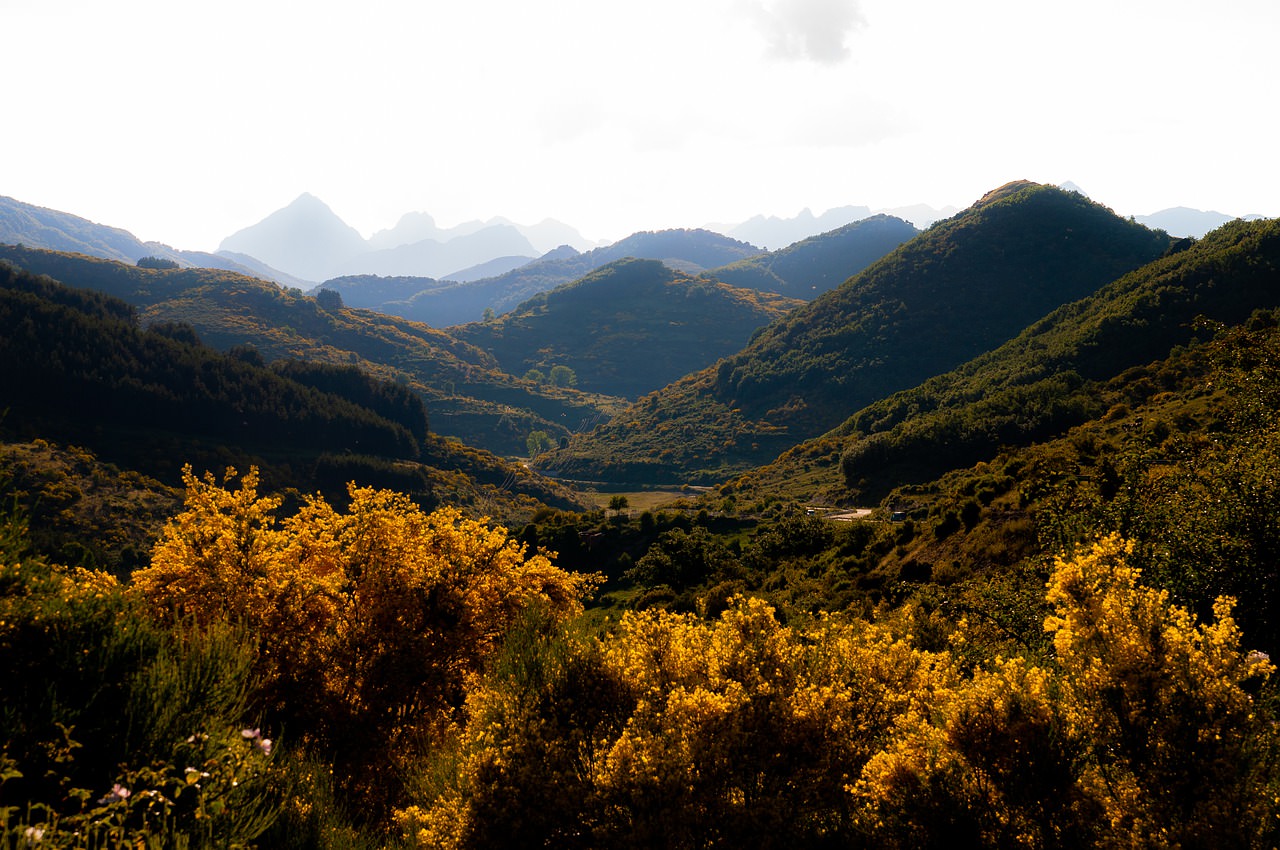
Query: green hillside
[77, 368]
[1052, 376]
[443, 305]
[812, 266]
[468, 394]
[628, 328]
[962, 288]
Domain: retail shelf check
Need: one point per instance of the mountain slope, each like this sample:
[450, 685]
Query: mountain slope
[627, 328]
[38, 227]
[963, 287]
[1052, 376]
[811, 267]
[469, 396]
[305, 239]
[688, 250]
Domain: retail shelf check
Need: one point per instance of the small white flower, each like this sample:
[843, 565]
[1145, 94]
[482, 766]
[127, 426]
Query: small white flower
[33, 835]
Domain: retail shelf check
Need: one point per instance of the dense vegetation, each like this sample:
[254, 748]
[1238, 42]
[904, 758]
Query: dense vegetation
[628, 328]
[961, 288]
[1049, 378]
[377, 674]
[77, 367]
[469, 395]
[1056, 632]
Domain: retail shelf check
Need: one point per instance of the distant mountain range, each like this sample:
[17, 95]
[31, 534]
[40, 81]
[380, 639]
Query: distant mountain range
[444, 303]
[308, 240]
[1184, 221]
[38, 227]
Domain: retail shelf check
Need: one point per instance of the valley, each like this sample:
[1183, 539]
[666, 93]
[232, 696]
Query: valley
[884, 535]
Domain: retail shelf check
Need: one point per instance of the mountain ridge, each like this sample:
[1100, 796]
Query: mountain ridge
[919, 311]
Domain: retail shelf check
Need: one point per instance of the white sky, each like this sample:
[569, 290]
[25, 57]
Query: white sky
[184, 121]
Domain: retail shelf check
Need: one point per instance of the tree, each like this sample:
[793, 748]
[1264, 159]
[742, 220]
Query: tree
[618, 503]
[156, 263]
[539, 442]
[329, 299]
[535, 376]
[563, 376]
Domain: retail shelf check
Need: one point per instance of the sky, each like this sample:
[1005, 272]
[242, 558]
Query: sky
[184, 122]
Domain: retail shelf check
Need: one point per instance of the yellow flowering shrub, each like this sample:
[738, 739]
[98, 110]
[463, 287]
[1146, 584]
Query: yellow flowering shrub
[990, 765]
[370, 620]
[1179, 753]
[677, 731]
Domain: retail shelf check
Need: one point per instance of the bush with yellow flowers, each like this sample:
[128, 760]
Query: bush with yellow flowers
[1144, 729]
[370, 621]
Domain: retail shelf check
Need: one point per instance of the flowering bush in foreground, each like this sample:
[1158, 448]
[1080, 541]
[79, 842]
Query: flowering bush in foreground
[370, 621]
[680, 732]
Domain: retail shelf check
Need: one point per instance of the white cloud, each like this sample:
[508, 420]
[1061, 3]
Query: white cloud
[817, 30]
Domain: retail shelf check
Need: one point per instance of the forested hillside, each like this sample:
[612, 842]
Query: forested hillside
[469, 395]
[963, 287]
[628, 328]
[79, 369]
[1044, 381]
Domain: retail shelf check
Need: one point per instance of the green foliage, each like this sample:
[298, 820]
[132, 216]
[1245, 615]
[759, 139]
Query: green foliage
[159, 394]
[956, 291]
[1049, 377]
[539, 442]
[329, 299]
[117, 731]
[562, 376]
[626, 329]
[156, 263]
[468, 394]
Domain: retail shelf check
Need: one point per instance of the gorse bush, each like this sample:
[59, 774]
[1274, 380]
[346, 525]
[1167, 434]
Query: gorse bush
[742, 732]
[369, 621]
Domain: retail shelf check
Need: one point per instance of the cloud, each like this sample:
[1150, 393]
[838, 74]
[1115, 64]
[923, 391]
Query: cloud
[816, 30]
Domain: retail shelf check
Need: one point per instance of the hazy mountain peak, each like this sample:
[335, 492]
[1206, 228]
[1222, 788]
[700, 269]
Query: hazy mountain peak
[306, 239]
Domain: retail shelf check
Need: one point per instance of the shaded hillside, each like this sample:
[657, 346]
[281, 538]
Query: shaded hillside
[1051, 377]
[77, 361]
[628, 328]
[468, 394]
[689, 250]
[963, 287]
[371, 292]
[809, 268]
[78, 368]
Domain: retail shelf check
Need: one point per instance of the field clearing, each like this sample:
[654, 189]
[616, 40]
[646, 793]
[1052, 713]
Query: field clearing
[638, 500]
